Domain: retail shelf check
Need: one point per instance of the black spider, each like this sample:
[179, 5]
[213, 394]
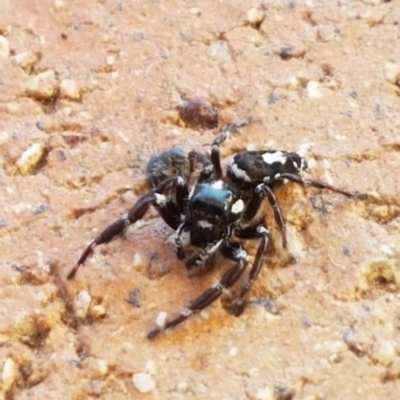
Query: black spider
[216, 213]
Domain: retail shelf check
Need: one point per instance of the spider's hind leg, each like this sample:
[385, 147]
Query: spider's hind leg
[210, 295]
[259, 231]
[168, 210]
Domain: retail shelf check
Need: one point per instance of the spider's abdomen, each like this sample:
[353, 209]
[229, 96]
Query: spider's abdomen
[247, 169]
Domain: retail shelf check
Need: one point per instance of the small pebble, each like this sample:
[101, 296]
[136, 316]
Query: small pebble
[373, 2]
[143, 382]
[150, 367]
[198, 112]
[195, 11]
[27, 59]
[9, 374]
[314, 90]
[30, 158]
[233, 351]
[161, 318]
[69, 89]
[218, 50]
[82, 303]
[182, 387]
[392, 73]
[255, 15]
[42, 86]
[386, 353]
[102, 366]
[57, 4]
[4, 47]
[264, 394]
[98, 311]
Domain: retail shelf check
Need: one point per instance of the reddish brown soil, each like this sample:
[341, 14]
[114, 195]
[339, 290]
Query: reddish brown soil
[313, 79]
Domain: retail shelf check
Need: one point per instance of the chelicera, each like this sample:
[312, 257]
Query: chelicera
[216, 213]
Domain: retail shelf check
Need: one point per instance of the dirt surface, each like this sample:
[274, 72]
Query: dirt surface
[88, 93]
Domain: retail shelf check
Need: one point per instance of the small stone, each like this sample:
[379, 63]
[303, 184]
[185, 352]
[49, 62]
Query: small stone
[195, 11]
[42, 86]
[255, 15]
[373, 2]
[161, 318]
[143, 382]
[182, 387]
[102, 366]
[264, 394]
[82, 303]
[98, 311]
[9, 374]
[391, 72]
[218, 50]
[314, 90]
[110, 60]
[139, 263]
[30, 158]
[233, 352]
[27, 59]
[386, 353]
[4, 47]
[57, 4]
[150, 367]
[69, 89]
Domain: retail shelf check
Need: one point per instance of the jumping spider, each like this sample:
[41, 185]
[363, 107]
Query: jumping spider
[216, 213]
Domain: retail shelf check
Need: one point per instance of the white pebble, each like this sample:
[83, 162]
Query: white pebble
[218, 50]
[233, 351]
[102, 366]
[30, 158]
[150, 367]
[9, 374]
[391, 72]
[314, 90]
[27, 59]
[161, 318]
[386, 353]
[255, 15]
[182, 387]
[264, 394]
[4, 47]
[70, 89]
[110, 60]
[82, 303]
[42, 86]
[57, 4]
[195, 11]
[373, 2]
[143, 382]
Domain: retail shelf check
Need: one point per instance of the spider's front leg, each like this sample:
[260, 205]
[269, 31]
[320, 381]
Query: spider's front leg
[213, 293]
[320, 185]
[226, 132]
[236, 307]
[168, 210]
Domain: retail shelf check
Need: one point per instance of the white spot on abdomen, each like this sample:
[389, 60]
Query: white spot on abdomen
[276, 156]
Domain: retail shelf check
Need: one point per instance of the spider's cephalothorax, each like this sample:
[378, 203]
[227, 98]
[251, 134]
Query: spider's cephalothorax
[216, 213]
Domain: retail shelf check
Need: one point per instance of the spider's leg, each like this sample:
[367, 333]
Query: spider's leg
[225, 133]
[197, 262]
[317, 184]
[181, 194]
[210, 295]
[261, 192]
[180, 253]
[253, 232]
[167, 209]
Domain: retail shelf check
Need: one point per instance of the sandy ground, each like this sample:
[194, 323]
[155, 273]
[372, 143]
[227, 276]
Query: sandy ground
[89, 92]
